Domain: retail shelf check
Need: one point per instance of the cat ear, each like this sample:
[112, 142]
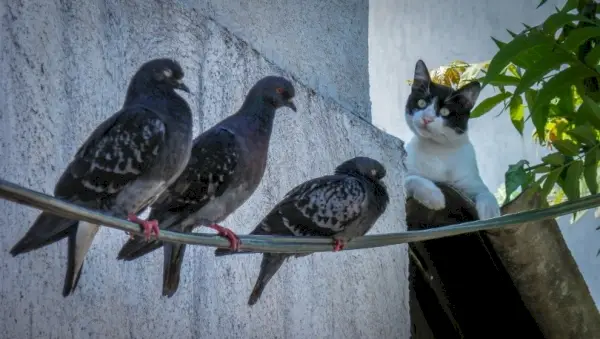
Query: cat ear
[421, 77]
[468, 94]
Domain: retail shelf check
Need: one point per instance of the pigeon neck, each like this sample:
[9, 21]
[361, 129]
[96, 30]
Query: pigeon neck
[168, 101]
[259, 115]
[379, 189]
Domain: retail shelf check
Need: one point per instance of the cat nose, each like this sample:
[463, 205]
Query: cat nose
[427, 120]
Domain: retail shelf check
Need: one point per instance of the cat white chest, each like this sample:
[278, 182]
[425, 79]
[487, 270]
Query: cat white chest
[452, 164]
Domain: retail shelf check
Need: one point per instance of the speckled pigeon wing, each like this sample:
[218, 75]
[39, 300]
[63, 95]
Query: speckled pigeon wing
[319, 207]
[209, 173]
[119, 151]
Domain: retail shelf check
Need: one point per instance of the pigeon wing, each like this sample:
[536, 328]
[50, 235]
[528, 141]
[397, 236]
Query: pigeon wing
[119, 151]
[210, 171]
[319, 207]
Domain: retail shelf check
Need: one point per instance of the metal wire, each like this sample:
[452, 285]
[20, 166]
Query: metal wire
[280, 244]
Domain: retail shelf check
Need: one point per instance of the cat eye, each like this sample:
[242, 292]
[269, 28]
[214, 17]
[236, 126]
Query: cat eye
[444, 112]
[421, 103]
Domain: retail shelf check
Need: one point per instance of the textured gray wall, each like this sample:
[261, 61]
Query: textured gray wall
[63, 69]
[324, 43]
[400, 32]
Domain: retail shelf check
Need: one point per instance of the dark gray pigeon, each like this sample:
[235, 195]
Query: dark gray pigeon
[128, 161]
[227, 164]
[343, 206]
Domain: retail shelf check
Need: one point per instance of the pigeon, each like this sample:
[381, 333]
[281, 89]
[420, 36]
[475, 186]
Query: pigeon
[227, 164]
[342, 206]
[125, 164]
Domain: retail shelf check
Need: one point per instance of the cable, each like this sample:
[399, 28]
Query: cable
[280, 244]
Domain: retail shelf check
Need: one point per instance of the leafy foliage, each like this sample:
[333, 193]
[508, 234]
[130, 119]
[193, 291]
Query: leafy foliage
[547, 75]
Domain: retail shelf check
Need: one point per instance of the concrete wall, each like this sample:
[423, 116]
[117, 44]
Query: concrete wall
[442, 31]
[64, 68]
[324, 43]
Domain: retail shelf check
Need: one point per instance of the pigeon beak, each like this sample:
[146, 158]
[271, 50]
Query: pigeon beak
[182, 86]
[291, 105]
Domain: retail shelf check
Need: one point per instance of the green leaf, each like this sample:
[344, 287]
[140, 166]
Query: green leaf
[590, 110]
[511, 50]
[515, 177]
[571, 184]
[520, 61]
[536, 54]
[514, 71]
[504, 80]
[550, 182]
[566, 147]
[566, 30]
[593, 57]
[517, 113]
[555, 158]
[488, 104]
[512, 34]
[585, 134]
[556, 21]
[530, 95]
[558, 83]
[590, 171]
[498, 43]
[536, 73]
[541, 169]
[566, 103]
[541, 3]
[559, 195]
[582, 185]
[581, 4]
[579, 36]
[570, 5]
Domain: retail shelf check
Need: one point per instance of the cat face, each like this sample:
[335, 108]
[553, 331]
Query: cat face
[438, 112]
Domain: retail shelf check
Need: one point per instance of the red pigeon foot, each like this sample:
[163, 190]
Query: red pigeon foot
[234, 241]
[150, 226]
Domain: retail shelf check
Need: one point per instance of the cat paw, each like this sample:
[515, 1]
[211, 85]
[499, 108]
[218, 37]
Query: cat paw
[487, 207]
[426, 192]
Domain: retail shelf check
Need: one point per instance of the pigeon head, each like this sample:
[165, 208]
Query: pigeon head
[163, 74]
[276, 91]
[363, 166]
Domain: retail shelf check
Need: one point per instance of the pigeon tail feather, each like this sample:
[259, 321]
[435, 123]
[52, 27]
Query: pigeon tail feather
[138, 247]
[270, 264]
[221, 252]
[72, 275]
[81, 237]
[47, 229]
[172, 268]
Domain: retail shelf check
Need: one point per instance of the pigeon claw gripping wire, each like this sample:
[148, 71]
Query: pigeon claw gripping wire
[150, 226]
[234, 241]
[338, 245]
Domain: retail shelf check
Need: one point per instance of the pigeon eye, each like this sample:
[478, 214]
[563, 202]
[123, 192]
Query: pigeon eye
[444, 112]
[422, 103]
[167, 72]
[279, 90]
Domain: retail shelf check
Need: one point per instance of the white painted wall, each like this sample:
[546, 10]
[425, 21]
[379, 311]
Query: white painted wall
[400, 32]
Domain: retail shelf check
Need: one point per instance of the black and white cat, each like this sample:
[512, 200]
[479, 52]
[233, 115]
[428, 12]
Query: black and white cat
[441, 150]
